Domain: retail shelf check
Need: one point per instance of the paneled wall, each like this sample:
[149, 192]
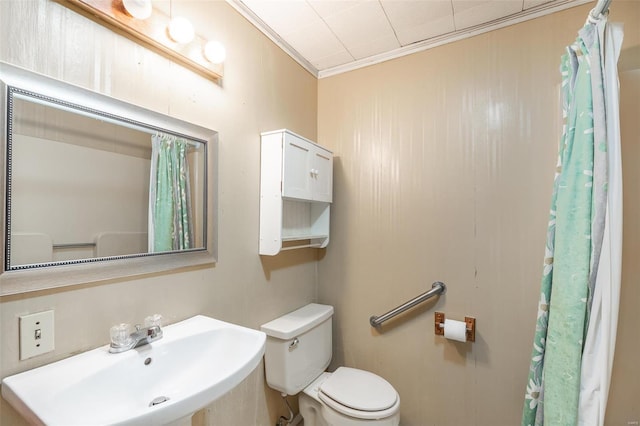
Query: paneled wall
[263, 90]
[444, 171]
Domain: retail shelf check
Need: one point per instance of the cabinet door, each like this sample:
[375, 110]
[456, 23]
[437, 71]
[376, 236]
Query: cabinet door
[322, 175]
[296, 168]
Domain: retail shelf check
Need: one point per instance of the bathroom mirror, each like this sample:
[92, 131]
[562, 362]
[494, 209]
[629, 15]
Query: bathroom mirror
[96, 188]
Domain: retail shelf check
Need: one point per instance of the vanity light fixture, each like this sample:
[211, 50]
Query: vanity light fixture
[154, 28]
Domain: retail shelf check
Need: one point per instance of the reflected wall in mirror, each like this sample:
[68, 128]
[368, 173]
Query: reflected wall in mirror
[90, 179]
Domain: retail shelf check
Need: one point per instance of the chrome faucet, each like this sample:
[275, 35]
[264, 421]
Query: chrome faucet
[142, 336]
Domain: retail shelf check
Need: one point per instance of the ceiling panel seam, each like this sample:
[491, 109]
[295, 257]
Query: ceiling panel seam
[393, 28]
[332, 32]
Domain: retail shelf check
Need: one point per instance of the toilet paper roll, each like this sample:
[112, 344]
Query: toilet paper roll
[455, 330]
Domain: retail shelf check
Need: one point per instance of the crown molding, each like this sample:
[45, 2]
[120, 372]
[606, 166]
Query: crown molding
[254, 19]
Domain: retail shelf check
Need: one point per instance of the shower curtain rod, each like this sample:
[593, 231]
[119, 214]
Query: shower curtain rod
[601, 7]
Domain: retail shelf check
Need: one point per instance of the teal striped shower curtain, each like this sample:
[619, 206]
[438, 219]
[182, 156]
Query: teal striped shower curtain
[170, 216]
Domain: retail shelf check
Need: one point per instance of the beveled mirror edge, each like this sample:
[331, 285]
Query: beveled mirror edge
[56, 276]
[4, 91]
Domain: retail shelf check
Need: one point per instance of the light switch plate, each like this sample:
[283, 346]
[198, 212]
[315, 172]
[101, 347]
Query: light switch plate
[36, 334]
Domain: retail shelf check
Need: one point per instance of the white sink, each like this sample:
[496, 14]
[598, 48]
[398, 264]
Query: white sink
[197, 361]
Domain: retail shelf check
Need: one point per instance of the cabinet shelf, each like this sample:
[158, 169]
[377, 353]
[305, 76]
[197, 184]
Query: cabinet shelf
[296, 190]
[304, 237]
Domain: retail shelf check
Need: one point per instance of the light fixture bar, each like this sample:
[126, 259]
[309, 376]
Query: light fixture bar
[151, 33]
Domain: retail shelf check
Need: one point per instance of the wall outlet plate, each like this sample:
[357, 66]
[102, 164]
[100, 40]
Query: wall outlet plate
[36, 334]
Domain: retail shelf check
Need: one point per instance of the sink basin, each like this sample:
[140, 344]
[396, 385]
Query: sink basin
[197, 361]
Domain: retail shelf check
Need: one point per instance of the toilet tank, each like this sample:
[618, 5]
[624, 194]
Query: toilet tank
[298, 347]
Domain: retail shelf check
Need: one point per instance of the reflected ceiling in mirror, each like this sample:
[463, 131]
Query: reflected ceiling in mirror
[90, 179]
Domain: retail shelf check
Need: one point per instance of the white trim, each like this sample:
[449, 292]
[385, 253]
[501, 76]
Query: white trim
[525, 15]
[241, 8]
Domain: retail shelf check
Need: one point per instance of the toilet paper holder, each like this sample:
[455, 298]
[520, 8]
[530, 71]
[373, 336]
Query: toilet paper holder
[470, 329]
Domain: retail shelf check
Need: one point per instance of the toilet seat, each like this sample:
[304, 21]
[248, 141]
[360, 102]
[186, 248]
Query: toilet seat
[360, 394]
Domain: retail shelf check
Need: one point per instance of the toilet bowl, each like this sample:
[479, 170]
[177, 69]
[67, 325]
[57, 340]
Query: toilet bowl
[349, 397]
[297, 352]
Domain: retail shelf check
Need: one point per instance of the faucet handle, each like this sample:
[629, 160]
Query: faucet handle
[120, 335]
[153, 320]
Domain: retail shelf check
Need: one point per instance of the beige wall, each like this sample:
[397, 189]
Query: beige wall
[263, 89]
[38, 206]
[444, 172]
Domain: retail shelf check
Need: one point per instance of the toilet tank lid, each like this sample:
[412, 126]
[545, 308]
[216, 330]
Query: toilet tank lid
[297, 322]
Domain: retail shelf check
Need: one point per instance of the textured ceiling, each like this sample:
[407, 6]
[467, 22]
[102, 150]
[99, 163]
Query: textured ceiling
[332, 36]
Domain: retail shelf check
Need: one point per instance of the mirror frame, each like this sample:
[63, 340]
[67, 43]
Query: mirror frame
[62, 274]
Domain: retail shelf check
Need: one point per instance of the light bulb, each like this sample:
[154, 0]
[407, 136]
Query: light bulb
[181, 30]
[215, 52]
[139, 9]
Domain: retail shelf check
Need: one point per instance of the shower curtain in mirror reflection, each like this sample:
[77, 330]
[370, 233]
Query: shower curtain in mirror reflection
[573, 346]
[170, 217]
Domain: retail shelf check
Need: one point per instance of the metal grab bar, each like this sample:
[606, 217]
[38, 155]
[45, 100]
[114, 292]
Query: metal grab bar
[436, 288]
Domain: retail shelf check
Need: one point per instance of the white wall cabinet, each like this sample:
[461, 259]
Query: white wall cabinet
[307, 169]
[296, 190]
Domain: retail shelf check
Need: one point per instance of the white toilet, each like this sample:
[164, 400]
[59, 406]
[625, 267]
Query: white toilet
[297, 352]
